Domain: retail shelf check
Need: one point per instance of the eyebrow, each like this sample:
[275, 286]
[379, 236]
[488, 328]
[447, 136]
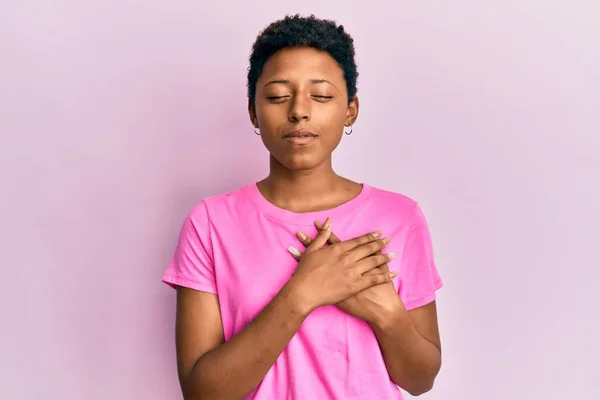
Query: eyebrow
[286, 82]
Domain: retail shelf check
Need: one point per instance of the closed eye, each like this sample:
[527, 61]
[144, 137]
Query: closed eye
[277, 98]
[322, 98]
[280, 98]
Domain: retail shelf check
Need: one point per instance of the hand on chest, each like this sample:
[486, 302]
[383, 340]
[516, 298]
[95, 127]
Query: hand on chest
[250, 272]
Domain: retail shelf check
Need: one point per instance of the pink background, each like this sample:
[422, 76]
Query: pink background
[116, 117]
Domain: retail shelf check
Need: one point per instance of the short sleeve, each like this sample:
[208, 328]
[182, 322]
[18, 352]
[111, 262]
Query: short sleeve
[192, 264]
[418, 276]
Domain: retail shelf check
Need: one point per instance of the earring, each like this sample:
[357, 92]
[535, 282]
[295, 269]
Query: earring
[351, 130]
[257, 133]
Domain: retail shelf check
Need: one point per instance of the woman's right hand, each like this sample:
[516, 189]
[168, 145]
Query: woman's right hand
[329, 275]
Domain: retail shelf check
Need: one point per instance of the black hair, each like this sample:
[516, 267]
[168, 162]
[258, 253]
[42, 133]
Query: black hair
[297, 31]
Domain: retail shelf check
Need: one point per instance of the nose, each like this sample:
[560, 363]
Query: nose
[300, 109]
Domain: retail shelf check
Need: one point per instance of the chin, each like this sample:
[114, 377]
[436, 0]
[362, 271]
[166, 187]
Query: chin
[299, 162]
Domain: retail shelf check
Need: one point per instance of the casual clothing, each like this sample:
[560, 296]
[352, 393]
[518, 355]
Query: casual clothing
[236, 245]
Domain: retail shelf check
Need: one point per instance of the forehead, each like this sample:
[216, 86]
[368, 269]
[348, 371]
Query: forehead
[302, 63]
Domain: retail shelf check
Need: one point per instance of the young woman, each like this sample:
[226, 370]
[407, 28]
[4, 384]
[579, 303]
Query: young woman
[305, 285]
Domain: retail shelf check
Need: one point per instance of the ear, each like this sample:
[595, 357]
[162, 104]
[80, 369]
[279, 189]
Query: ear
[352, 112]
[252, 114]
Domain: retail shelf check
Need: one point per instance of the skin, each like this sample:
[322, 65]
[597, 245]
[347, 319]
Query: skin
[304, 89]
[301, 178]
[380, 306]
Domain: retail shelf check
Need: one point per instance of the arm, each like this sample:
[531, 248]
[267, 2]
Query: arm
[409, 340]
[210, 368]
[410, 344]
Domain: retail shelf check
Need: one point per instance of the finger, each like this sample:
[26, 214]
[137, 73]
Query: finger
[333, 239]
[370, 263]
[304, 238]
[375, 271]
[307, 240]
[322, 237]
[358, 241]
[384, 267]
[295, 253]
[368, 281]
[368, 249]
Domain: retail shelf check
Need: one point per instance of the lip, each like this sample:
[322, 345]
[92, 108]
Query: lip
[300, 137]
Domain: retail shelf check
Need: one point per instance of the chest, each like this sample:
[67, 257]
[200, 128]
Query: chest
[252, 263]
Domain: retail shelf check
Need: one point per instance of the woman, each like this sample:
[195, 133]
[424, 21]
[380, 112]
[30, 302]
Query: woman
[350, 317]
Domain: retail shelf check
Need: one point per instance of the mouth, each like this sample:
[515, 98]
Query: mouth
[299, 137]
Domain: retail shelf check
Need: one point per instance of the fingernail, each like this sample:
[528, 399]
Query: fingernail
[386, 240]
[327, 223]
[393, 275]
[294, 251]
[302, 236]
[376, 234]
[391, 255]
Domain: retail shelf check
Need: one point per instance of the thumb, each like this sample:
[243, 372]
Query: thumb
[322, 237]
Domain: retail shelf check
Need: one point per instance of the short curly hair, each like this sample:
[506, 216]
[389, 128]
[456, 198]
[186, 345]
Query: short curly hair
[297, 31]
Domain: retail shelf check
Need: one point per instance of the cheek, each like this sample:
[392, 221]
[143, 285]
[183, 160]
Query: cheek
[332, 132]
[271, 115]
[327, 119]
[333, 123]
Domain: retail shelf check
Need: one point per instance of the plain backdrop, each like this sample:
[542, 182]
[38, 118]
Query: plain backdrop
[116, 117]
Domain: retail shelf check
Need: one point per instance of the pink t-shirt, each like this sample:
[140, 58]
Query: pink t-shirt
[235, 245]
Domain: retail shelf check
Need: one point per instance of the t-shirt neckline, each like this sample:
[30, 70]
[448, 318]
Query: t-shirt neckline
[307, 218]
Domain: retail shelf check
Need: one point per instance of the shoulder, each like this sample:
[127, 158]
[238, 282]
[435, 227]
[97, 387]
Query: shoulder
[396, 205]
[216, 204]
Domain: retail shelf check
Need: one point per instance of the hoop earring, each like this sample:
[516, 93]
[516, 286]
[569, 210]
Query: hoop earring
[351, 130]
[256, 133]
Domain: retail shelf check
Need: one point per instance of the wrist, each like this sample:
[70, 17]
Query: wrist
[298, 300]
[383, 319]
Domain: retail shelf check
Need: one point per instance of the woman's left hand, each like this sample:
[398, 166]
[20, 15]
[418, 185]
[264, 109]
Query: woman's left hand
[374, 305]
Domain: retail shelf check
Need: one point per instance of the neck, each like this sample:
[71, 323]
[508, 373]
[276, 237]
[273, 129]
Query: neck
[304, 191]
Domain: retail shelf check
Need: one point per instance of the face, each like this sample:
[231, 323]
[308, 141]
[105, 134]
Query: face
[301, 107]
